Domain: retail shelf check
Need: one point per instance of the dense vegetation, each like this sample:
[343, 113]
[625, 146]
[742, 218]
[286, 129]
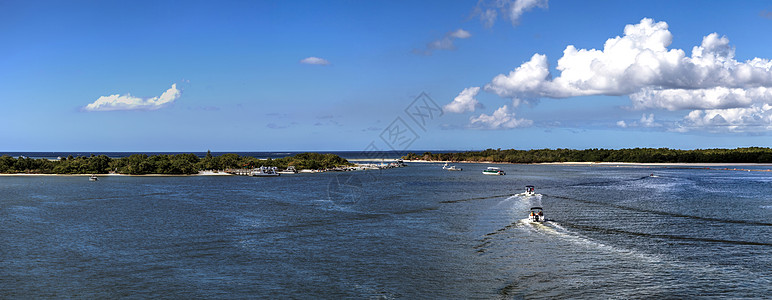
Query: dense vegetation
[636, 155]
[163, 164]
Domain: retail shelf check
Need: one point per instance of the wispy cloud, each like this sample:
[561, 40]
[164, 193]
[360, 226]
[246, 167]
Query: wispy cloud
[276, 126]
[447, 42]
[645, 121]
[314, 61]
[489, 11]
[280, 126]
[129, 102]
[766, 14]
[639, 64]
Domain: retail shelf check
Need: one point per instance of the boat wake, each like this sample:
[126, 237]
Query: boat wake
[509, 201]
[667, 236]
[552, 231]
[528, 196]
[663, 213]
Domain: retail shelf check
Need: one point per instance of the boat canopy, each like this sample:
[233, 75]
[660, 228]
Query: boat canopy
[535, 208]
[529, 186]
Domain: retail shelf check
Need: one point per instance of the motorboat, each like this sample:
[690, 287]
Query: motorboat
[93, 178]
[289, 170]
[529, 190]
[264, 172]
[451, 168]
[493, 171]
[536, 215]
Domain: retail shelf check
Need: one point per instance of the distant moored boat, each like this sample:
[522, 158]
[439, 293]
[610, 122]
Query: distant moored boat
[451, 168]
[493, 171]
[264, 172]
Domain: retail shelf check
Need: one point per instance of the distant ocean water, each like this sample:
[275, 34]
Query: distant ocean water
[262, 155]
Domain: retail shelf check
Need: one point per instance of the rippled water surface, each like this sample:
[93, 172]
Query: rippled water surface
[415, 232]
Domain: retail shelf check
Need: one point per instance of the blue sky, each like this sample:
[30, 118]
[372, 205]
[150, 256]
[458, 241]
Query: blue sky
[339, 75]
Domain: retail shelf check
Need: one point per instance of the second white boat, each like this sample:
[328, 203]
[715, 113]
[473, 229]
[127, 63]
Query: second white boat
[493, 171]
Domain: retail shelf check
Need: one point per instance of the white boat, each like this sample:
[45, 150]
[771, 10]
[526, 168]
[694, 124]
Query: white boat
[93, 178]
[537, 215]
[289, 170]
[493, 171]
[451, 168]
[264, 172]
[529, 191]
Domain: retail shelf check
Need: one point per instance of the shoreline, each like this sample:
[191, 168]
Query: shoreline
[714, 166]
[202, 173]
[579, 163]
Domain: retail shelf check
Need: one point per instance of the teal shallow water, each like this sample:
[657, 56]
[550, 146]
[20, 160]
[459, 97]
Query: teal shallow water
[415, 232]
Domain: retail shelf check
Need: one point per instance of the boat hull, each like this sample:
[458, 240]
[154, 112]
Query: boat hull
[493, 173]
[264, 174]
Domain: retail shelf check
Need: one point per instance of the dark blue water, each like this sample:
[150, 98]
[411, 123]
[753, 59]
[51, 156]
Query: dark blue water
[415, 232]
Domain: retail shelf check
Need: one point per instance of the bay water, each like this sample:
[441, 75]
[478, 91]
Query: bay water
[413, 232]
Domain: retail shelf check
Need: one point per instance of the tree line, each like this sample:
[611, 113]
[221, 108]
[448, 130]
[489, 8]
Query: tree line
[176, 164]
[634, 155]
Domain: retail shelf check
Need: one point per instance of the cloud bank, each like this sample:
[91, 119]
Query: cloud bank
[129, 102]
[639, 64]
[314, 61]
[756, 118]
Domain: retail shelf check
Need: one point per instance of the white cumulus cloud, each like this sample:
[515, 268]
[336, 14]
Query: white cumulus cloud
[502, 118]
[638, 62]
[314, 61]
[129, 102]
[464, 102]
[641, 65]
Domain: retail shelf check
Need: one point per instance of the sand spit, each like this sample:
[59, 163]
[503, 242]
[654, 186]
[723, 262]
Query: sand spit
[200, 173]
